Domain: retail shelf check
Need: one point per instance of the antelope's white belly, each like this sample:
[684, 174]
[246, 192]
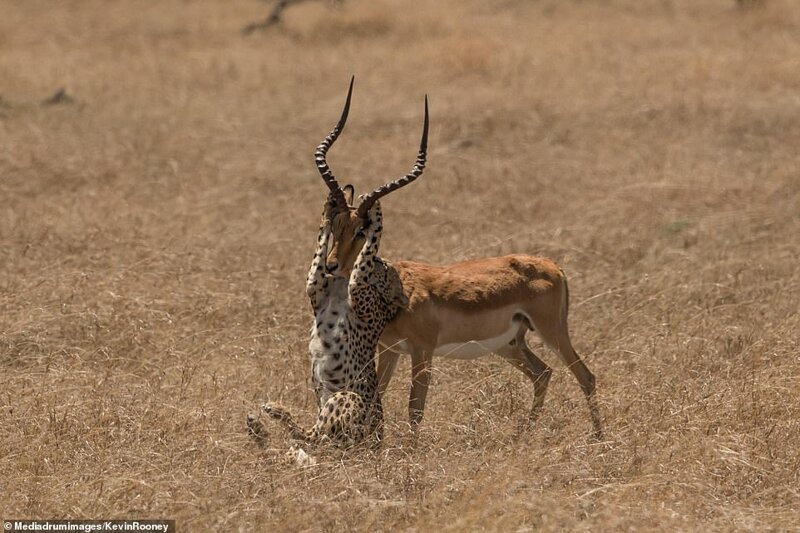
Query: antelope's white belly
[477, 348]
[490, 337]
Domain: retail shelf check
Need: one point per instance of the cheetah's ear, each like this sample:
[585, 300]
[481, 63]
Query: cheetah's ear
[394, 288]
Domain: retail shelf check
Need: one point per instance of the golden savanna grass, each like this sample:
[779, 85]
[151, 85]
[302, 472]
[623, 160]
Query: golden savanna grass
[155, 234]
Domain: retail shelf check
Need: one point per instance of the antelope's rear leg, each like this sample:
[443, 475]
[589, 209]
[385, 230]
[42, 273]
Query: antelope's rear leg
[522, 357]
[557, 338]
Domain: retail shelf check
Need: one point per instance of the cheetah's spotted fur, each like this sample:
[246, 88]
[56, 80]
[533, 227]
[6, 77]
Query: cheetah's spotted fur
[350, 315]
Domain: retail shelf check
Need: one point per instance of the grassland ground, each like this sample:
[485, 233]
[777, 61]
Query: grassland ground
[155, 233]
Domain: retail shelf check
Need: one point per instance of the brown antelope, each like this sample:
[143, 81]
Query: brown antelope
[463, 310]
[474, 308]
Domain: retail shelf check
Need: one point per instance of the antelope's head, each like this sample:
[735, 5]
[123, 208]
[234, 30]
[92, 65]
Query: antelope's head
[348, 220]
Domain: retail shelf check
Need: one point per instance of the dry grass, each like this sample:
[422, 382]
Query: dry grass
[155, 233]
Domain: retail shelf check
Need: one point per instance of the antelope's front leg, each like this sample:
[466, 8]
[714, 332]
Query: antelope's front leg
[421, 359]
[316, 282]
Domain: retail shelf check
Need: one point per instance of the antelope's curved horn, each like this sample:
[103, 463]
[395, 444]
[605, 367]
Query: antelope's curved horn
[370, 199]
[322, 151]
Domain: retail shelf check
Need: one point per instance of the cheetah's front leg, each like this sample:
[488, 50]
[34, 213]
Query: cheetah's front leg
[358, 286]
[316, 282]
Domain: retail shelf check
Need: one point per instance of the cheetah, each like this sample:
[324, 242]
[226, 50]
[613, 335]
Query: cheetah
[352, 299]
[350, 314]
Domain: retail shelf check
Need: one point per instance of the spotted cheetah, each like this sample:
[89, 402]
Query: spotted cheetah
[350, 314]
[354, 294]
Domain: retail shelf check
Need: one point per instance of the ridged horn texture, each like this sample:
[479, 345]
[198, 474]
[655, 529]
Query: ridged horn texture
[322, 151]
[370, 199]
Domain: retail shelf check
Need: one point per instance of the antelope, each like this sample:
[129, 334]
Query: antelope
[463, 310]
[475, 308]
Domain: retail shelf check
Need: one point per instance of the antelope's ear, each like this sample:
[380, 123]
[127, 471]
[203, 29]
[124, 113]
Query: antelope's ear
[329, 208]
[349, 193]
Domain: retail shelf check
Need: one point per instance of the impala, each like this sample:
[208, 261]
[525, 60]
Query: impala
[463, 310]
[474, 308]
